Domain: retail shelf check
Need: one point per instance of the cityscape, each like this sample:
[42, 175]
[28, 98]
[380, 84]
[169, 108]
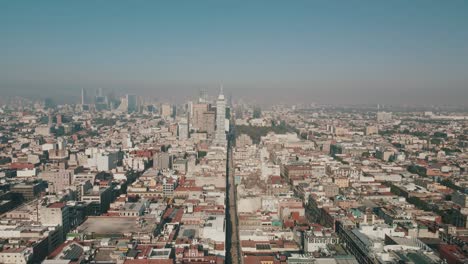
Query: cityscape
[110, 154]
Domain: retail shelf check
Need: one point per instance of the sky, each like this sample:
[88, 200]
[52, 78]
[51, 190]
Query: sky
[334, 52]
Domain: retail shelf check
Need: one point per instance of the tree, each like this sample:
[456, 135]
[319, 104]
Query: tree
[436, 141]
[440, 135]
[417, 170]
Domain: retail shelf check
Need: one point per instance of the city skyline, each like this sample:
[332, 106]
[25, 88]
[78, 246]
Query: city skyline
[234, 132]
[327, 52]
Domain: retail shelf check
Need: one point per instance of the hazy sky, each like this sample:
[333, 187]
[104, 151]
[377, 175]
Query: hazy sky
[293, 51]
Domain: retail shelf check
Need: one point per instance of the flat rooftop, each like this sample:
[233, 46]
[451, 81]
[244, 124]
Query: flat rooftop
[105, 225]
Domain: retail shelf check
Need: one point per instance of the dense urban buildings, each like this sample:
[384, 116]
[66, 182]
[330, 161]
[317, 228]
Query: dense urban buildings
[301, 184]
[341, 137]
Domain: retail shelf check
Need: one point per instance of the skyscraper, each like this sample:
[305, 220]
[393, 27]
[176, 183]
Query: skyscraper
[49, 123]
[220, 134]
[166, 110]
[197, 115]
[83, 96]
[132, 105]
[182, 130]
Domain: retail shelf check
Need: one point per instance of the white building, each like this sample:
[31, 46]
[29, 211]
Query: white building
[16, 255]
[384, 116]
[182, 130]
[220, 133]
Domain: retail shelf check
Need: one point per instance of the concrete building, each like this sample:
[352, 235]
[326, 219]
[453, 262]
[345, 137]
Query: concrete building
[21, 255]
[57, 180]
[220, 134]
[197, 115]
[162, 160]
[208, 123]
[99, 198]
[166, 110]
[182, 130]
[132, 104]
[319, 239]
[29, 191]
[104, 161]
[169, 187]
[56, 214]
[384, 116]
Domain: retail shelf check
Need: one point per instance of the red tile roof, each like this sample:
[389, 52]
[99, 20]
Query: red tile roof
[56, 205]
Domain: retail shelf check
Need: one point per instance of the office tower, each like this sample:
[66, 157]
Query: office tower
[189, 121]
[56, 214]
[166, 110]
[50, 118]
[190, 109]
[57, 180]
[83, 96]
[174, 111]
[208, 123]
[197, 115]
[182, 130]
[123, 107]
[230, 100]
[220, 135]
[132, 105]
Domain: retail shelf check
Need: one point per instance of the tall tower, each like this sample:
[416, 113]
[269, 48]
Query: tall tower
[83, 96]
[49, 123]
[220, 134]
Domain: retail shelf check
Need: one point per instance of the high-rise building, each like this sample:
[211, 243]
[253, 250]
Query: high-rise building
[123, 106]
[208, 123]
[182, 130]
[197, 115]
[166, 110]
[56, 214]
[220, 135]
[57, 180]
[132, 105]
[190, 109]
[83, 96]
[49, 123]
